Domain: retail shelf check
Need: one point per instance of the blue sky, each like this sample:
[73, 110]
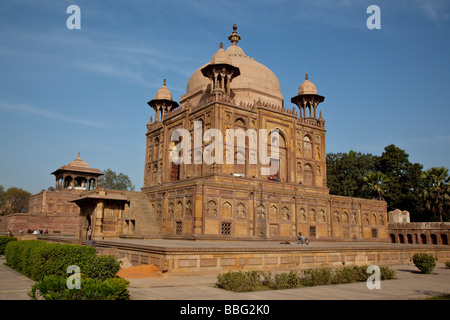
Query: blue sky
[67, 91]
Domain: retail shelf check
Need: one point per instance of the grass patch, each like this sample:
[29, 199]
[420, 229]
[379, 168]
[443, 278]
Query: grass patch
[443, 297]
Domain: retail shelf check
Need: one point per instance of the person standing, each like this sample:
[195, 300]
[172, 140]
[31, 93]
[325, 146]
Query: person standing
[90, 242]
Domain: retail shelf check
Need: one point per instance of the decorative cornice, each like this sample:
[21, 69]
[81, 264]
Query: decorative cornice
[311, 122]
[267, 105]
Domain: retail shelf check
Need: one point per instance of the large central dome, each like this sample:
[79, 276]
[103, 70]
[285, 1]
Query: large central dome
[255, 81]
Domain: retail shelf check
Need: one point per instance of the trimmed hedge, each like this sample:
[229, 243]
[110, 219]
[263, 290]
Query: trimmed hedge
[37, 258]
[4, 240]
[239, 281]
[47, 264]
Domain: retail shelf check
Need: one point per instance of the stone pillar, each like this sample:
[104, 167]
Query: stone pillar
[198, 210]
[157, 114]
[126, 216]
[98, 223]
[251, 217]
[44, 201]
[293, 213]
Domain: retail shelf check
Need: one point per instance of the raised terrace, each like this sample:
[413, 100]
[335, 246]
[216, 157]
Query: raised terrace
[187, 257]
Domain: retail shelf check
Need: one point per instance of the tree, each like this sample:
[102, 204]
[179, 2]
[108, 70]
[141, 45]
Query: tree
[111, 180]
[14, 200]
[403, 190]
[345, 173]
[2, 201]
[2, 195]
[376, 183]
[436, 191]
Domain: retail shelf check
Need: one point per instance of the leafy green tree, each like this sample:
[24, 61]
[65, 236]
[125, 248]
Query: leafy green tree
[14, 200]
[376, 183]
[403, 190]
[436, 191]
[111, 180]
[345, 173]
[2, 195]
[2, 201]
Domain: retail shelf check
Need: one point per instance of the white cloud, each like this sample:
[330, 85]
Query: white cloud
[21, 108]
[118, 71]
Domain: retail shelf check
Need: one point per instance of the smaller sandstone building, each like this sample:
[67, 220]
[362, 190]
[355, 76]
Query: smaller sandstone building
[401, 230]
[52, 210]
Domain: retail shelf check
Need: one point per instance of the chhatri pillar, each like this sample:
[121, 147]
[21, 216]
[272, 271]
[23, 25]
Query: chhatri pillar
[162, 103]
[307, 98]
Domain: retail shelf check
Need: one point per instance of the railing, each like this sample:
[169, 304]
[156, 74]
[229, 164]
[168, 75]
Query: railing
[419, 225]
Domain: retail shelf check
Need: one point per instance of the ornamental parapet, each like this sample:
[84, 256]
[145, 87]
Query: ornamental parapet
[420, 225]
[311, 122]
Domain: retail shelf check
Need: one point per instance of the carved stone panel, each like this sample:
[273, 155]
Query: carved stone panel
[211, 208]
[240, 212]
[226, 211]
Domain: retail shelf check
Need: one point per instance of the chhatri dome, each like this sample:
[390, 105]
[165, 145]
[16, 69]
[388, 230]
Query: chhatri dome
[307, 87]
[221, 57]
[163, 93]
[255, 81]
[162, 102]
[77, 163]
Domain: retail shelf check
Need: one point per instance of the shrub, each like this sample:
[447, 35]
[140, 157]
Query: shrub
[257, 280]
[447, 264]
[424, 262]
[4, 240]
[49, 287]
[286, 281]
[316, 277]
[53, 287]
[239, 281]
[266, 279]
[36, 258]
[387, 273]
[347, 275]
[18, 254]
[102, 267]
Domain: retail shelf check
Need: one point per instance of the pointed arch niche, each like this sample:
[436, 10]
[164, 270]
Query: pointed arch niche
[280, 159]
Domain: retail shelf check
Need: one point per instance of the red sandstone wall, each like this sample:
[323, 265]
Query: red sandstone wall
[49, 210]
[55, 224]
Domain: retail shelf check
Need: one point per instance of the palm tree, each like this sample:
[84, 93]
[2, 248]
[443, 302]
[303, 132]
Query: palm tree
[436, 190]
[376, 183]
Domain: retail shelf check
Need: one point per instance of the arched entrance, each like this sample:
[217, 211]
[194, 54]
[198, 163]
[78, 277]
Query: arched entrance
[86, 227]
[409, 237]
[392, 237]
[444, 239]
[278, 161]
[423, 239]
[433, 238]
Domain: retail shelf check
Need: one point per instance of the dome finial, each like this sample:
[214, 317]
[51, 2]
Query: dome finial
[306, 76]
[234, 37]
[221, 45]
[164, 83]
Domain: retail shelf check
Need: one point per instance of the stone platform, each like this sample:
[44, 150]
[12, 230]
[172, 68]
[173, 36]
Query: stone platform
[186, 257]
